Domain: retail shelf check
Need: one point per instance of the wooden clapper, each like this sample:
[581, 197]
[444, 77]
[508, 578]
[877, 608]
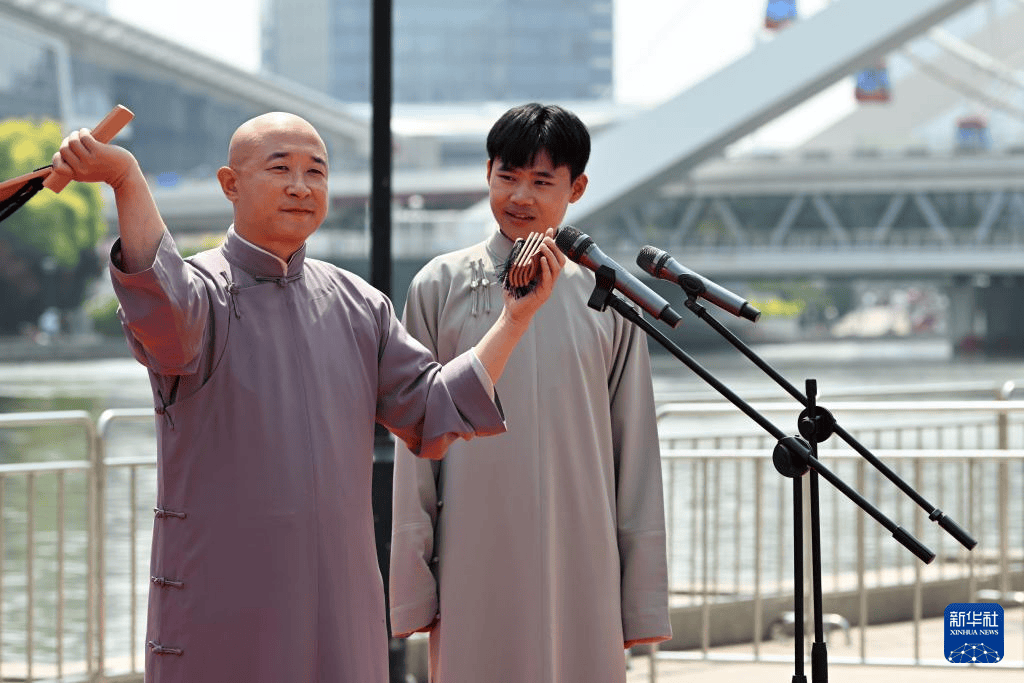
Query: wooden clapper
[16, 191]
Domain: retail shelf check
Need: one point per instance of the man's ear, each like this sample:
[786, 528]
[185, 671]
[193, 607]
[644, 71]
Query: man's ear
[228, 180]
[579, 186]
[489, 161]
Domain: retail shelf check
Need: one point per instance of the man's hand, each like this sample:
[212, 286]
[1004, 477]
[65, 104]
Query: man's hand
[84, 158]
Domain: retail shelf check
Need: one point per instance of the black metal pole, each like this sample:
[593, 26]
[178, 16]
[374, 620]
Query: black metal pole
[819, 649]
[798, 582]
[380, 169]
[381, 29]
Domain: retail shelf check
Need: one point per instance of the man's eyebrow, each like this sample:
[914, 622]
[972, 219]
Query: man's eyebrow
[502, 166]
[283, 155]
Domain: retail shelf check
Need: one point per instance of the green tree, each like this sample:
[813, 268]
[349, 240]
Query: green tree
[48, 247]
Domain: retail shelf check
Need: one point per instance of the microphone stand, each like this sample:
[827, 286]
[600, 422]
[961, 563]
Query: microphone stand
[793, 457]
[818, 425]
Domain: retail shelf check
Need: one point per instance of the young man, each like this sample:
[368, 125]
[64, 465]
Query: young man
[538, 555]
[268, 372]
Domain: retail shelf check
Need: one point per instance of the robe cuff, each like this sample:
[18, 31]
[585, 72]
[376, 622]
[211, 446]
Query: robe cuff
[146, 309]
[120, 276]
[645, 614]
[481, 373]
[413, 618]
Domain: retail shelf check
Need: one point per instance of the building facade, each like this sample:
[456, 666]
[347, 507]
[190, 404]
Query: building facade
[455, 51]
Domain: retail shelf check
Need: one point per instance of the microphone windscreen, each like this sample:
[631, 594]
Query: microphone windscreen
[646, 258]
[567, 237]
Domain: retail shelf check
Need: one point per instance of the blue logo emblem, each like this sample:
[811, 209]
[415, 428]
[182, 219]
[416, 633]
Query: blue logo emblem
[974, 632]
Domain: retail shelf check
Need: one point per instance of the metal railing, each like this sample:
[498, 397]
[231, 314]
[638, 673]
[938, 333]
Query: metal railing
[74, 533]
[26, 477]
[730, 540]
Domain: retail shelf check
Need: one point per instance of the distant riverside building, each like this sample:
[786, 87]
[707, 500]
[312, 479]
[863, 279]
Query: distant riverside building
[71, 62]
[451, 51]
[31, 84]
[178, 128]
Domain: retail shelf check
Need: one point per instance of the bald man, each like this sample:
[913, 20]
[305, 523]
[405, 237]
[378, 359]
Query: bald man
[268, 371]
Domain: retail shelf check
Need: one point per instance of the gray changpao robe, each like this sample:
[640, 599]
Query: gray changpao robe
[267, 384]
[550, 538]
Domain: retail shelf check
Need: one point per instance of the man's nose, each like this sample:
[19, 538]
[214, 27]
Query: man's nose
[522, 192]
[298, 187]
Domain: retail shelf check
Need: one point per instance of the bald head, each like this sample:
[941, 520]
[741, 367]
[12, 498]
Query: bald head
[250, 137]
[276, 178]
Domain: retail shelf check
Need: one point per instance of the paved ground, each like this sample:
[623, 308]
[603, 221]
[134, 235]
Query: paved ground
[892, 642]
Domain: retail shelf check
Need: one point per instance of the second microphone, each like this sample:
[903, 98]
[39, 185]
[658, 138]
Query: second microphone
[659, 264]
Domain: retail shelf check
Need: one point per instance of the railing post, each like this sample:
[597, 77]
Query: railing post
[862, 593]
[133, 565]
[3, 553]
[90, 566]
[61, 541]
[758, 530]
[918, 587]
[1004, 526]
[30, 585]
[705, 621]
[972, 579]
[95, 606]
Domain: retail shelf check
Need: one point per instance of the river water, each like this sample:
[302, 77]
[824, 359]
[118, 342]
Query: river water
[837, 366]
[96, 385]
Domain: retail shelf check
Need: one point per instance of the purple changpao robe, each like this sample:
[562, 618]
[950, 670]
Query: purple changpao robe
[268, 379]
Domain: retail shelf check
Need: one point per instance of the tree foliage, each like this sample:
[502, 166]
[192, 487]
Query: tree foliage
[48, 246]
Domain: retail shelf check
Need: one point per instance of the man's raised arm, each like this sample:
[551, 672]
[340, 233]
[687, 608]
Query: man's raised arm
[83, 158]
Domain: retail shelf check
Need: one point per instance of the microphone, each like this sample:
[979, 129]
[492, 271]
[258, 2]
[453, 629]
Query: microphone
[581, 249]
[659, 264]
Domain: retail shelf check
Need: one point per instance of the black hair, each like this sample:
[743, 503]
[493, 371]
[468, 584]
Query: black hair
[523, 131]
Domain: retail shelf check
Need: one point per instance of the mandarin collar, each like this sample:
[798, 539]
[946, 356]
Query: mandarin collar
[499, 246]
[258, 261]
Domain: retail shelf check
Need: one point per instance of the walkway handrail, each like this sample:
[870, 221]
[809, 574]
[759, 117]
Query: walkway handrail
[993, 407]
[949, 390]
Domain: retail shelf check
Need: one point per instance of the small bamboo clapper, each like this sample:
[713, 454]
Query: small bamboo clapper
[524, 268]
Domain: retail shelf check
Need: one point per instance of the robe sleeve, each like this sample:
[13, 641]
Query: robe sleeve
[413, 583]
[164, 310]
[428, 405]
[639, 495]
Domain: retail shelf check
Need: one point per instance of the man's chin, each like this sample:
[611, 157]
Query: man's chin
[516, 230]
[299, 221]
